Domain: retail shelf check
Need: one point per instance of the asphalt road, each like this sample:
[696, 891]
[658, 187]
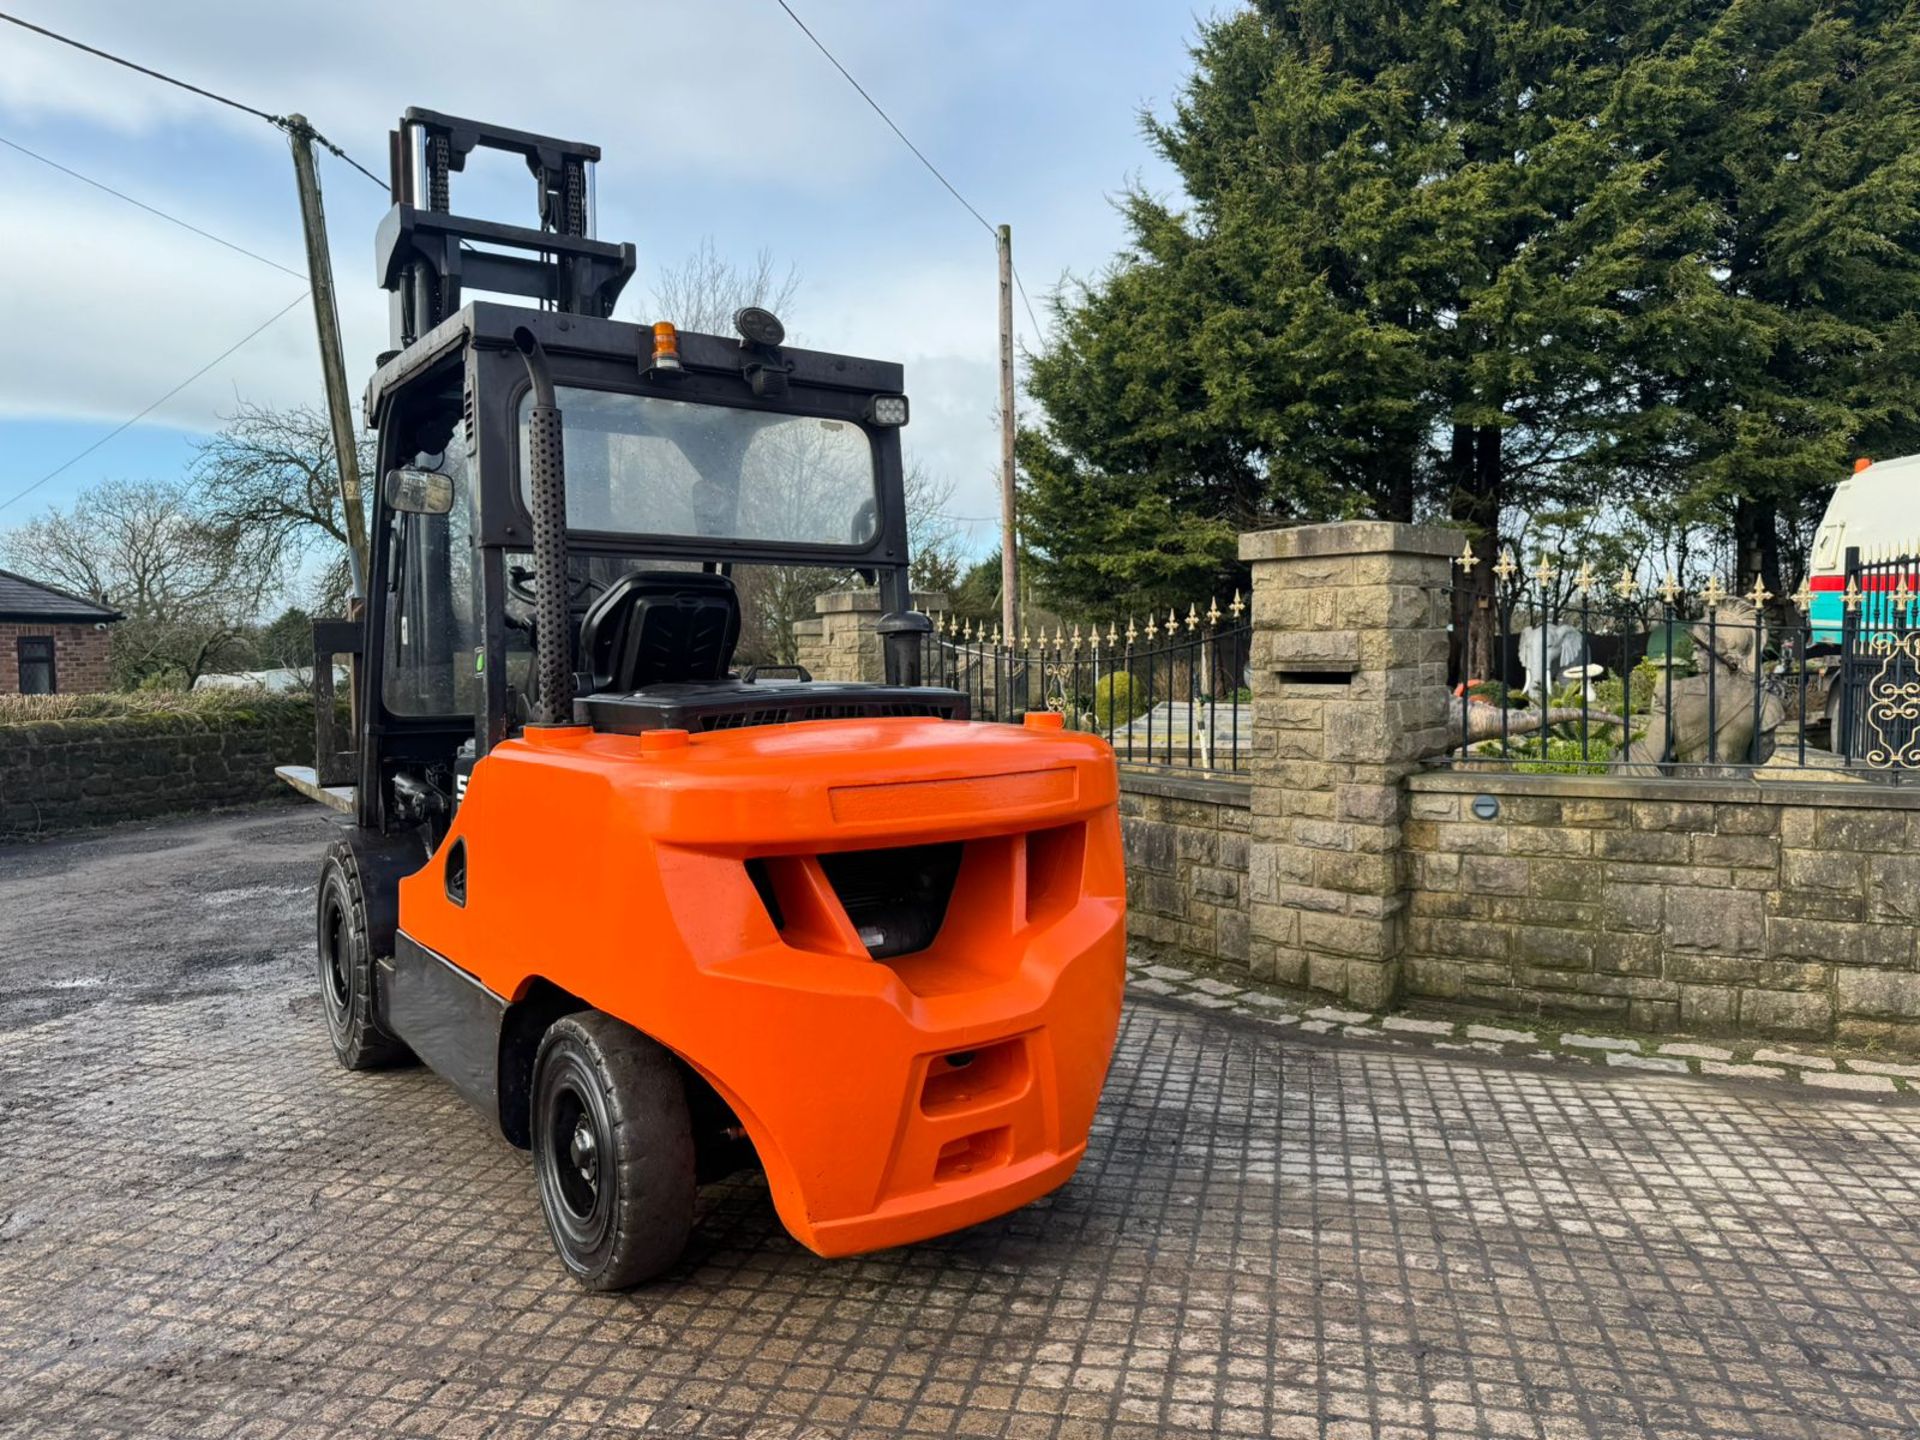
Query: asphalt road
[208, 1229]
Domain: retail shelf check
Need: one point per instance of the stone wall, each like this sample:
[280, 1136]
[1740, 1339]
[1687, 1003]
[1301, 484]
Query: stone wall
[1186, 846]
[60, 774]
[1782, 909]
[79, 657]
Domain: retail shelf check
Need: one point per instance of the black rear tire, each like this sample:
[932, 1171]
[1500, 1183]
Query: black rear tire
[347, 968]
[613, 1150]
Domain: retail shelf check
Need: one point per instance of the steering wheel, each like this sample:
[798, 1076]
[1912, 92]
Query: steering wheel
[520, 584]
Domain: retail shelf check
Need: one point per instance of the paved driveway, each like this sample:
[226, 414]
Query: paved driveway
[207, 1229]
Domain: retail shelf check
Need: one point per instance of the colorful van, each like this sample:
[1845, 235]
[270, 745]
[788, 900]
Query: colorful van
[1877, 510]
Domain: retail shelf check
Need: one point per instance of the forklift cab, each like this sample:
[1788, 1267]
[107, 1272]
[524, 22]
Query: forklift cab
[656, 916]
[673, 476]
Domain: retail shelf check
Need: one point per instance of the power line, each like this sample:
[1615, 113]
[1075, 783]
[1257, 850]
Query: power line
[131, 65]
[279, 122]
[932, 169]
[150, 209]
[135, 419]
[1021, 285]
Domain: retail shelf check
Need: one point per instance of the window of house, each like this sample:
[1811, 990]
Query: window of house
[36, 665]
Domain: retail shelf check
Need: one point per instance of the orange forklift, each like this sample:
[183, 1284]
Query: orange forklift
[659, 917]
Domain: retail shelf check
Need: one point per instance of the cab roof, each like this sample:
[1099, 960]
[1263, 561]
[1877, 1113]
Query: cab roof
[489, 325]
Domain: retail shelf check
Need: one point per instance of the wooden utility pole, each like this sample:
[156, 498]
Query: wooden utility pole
[1009, 559]
[326, 317]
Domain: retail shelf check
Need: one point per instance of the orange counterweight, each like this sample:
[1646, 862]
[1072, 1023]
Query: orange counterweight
[692, 887]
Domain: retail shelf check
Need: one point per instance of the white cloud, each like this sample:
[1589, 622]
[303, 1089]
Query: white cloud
[696, 89]
[144, 325]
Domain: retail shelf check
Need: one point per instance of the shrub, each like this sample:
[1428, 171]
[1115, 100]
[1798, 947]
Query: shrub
[1116, 700]
[1610, 694]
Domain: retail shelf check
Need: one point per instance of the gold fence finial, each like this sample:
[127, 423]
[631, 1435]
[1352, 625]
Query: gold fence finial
[1626, 584]
[1466, 559]
[1760, 594]
[1713, 592]
[1670, 588]
[1237, 606]
[1504, 566]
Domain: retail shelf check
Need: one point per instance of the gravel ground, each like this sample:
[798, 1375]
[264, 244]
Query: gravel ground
[208, 1229]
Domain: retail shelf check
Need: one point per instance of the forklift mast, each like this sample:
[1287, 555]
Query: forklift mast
[427, 255]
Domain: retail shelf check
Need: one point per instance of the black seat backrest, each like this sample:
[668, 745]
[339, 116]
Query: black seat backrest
[654, 627]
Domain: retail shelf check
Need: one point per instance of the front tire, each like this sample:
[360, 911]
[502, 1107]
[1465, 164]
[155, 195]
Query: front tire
[613, 1150]
[347, 962]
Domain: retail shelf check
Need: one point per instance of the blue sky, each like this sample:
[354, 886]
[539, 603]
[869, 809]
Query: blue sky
[716, 119]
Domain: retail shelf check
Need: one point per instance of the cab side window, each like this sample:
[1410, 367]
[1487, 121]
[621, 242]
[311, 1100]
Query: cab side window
[433, 617]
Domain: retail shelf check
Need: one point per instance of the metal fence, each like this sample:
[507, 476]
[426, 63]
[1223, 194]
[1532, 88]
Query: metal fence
[1169, 693]
[1667, 682]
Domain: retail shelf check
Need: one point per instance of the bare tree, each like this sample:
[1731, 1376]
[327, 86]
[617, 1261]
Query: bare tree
[702, 292]
[933, 539]
[190, 587]
[270, 478]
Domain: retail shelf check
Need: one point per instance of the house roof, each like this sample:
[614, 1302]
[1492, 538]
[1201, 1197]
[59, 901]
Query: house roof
[28, 602]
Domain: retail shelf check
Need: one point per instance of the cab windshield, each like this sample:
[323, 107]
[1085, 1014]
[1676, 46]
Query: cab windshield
[640, 465]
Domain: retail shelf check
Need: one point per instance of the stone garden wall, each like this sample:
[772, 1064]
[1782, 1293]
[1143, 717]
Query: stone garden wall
[62, 774]
[1186, 846]
[1786, 909]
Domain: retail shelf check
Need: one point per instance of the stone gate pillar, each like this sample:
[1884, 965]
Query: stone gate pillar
[1348, 670]
[841, 641]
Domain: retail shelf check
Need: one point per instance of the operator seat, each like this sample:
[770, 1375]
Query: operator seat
[658, 627]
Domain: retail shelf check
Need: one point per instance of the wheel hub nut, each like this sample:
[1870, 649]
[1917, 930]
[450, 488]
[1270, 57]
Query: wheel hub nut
[584, 1153]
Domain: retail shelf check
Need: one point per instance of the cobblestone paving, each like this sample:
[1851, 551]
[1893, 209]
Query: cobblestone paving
[206, 1229]
[1863, 1074]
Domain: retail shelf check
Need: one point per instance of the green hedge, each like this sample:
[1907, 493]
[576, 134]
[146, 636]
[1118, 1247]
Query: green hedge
[134, 704]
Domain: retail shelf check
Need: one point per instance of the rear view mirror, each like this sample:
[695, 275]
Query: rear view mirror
[419, 492]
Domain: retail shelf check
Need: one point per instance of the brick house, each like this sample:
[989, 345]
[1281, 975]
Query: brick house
[50, 642]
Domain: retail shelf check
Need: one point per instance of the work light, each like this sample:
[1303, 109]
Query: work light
[759, 327]
[887, 410]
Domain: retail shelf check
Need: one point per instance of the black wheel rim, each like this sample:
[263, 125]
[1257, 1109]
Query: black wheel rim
[336, 954]
[574, 1155]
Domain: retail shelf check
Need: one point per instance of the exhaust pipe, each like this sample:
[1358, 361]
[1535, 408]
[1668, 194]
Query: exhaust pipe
[546, 453]
[903, 639]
